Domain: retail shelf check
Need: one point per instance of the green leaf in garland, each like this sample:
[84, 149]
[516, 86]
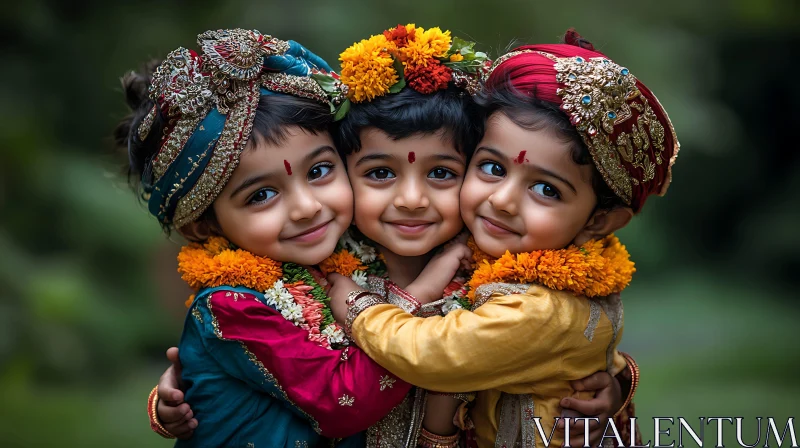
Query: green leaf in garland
[342, 111]
[401, 76]
[327, 82]
[461, 46]
[398, 86]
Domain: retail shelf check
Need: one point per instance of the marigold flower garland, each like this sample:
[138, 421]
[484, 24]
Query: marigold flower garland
[288, 287]
[425, 59]
[596, 269]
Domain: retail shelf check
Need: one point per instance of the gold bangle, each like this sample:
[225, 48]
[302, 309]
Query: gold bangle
[428, 439]
[634, 382]
[152, 411]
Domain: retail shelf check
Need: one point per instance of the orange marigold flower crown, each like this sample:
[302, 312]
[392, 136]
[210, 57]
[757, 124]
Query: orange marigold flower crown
[424, 60]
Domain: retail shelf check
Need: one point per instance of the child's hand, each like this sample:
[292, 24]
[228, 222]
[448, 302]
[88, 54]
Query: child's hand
[174, 414]
[339, 287]
[440, 411]
[607, 401]
[438, 273]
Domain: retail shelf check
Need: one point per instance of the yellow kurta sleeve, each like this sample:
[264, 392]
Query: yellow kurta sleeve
[508, 343]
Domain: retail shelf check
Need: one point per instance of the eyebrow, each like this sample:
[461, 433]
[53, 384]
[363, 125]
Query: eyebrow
[370, 157]
[250, 181]
[529, 166]
[384, 156]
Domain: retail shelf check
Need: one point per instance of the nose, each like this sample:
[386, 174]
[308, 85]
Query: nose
[304, 205]
[411, 196]
[504, 199]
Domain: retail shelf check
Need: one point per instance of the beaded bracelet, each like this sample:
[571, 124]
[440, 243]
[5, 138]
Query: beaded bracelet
[152, 406]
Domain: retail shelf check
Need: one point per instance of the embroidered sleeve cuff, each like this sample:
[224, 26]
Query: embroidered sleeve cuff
[629, 380]
[397, 296]
[357, 305]
[152, 406]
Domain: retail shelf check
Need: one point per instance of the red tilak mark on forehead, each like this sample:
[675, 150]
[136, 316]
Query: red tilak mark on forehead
[288, 167]
[521, 157]
[412, 157]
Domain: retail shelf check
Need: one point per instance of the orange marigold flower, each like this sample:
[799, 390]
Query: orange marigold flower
[456, 57]
[342, 262]
[368, 68]
[596, 269]
[428, 78]
[215, 265]
[426, 44]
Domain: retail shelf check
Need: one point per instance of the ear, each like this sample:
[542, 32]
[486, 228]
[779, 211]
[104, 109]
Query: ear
[197, 231]
[602, 223]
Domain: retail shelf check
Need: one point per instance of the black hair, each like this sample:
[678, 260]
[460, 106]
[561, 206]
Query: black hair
[535, 114]
[274, 114]
[401, 115]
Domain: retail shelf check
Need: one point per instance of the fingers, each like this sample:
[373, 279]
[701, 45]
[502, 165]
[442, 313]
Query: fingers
[168, 388]
[173, 414]
[592, 407]
[172, 356]
[594, 381]
[183, 429]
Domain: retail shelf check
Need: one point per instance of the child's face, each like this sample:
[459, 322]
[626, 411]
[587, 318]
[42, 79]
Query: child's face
[406, 191]
[523, 191]
[289, 202]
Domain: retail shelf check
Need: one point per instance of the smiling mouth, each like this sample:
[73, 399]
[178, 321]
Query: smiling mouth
[311, 234]
[411, 227]
[496, 227]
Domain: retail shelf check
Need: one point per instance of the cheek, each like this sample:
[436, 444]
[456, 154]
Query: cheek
[255, 231]
[547, 228]
[448, 203]
[369, 202]
[339, 197]
[473, 193]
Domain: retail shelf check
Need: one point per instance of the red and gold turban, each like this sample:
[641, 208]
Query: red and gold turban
[627, 131]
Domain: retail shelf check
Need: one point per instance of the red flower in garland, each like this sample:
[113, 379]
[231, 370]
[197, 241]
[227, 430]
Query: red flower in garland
[430, 78]
[398, 35]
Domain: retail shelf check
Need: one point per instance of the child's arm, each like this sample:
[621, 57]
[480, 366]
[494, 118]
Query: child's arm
[512, 339]
[438, 273]
[341, 392]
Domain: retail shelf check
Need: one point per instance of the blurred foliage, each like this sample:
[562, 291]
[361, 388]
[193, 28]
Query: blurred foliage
[90, 297]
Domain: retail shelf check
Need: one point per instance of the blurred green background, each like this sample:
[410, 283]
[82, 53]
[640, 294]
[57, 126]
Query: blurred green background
[90, 298]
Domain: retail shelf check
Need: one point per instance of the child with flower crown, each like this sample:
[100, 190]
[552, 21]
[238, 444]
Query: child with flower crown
[233, 148]
[573, 146]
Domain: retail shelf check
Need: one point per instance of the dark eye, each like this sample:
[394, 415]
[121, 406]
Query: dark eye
[381, 174]
[546, 190]
[262, 195]
[492, 169]
[441, 174]
[318, 171]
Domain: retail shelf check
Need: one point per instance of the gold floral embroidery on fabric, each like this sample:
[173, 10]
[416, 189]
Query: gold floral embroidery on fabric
[397, 428]
[300, 444]
[594, 318]
[268, 377]
[508, 430]
[386, 382]
[485, 292]
[612, 305]
[346, 400]
[598, 95]
[197, 315]
[223, 161]
[345, 356]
